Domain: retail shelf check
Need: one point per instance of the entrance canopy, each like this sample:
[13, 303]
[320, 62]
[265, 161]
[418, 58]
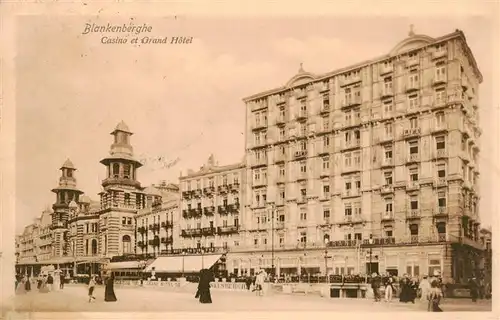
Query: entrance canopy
[123, 265]
[181, 264]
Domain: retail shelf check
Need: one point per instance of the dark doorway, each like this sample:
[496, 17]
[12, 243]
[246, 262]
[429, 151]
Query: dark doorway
[372, 268]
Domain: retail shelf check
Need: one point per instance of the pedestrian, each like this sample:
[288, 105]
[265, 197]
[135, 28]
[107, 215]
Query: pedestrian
[109, 290]
[413, 289]
[21, 286]
[424, 288]
[434, 297]
[43, 285]
[375, 282]
[405, 289]
[92, 284]
[248, 282]
[203, 290]
[389, 289]
[27, 285]
[259, 282]
[61, 281]
[50, 282]
[474, 289]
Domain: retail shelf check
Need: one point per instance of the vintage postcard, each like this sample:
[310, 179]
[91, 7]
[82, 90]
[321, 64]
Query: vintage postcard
[183, 161]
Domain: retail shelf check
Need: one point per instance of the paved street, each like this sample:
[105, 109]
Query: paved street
[74, 298]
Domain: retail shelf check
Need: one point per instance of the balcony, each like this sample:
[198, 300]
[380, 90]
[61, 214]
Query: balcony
[208, 190]
[465, 83]
[209, 211]
[222, 210]
[227, 229]
[352, 102]
[351, 169]
[191, 232]
[441, 182]
[441, 212]
[279, 225]
[325, 108]
[439, 128]
[388, 162]
[280, 121]
[233, 208]
[412, 61]
[413, 185]
[413, 214]
[234, 187]
[208, 231]
[385, 138]
[301, 116]
[349, 219]
[326, 196]
[122, 181]
[351, 193]
[411, 133]
[350, 80]
[141, 244]
[187, 194]
[197, 193]
[352, 144]
[386, 189]
[258, 162]
[439, 54]
[222, 189]
[154, 227]
[413, 157]
[441, 154]
[385, 68]
[259, 126]
[300, 154]
[141, 230]
[414, 238]
[154, 242]
[386, 93]
[438, 81]
[387, 217]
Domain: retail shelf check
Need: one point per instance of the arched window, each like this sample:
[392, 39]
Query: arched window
[127, 248]
[326, 238]
[87, 246]
[116, 170]
[94, 246]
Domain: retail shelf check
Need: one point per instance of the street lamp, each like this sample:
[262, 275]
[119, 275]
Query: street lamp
[272, 237]
[326, 259]
[73, 207]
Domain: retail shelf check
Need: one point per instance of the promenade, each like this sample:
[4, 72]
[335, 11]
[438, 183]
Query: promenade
[156, 299]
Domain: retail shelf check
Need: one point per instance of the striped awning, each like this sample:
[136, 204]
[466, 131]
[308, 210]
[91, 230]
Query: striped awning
[187, 264]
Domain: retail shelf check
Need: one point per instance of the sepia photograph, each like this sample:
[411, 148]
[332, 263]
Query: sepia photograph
[184, 163]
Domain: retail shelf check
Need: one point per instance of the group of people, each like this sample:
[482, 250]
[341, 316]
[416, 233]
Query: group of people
[109, 288]
[44, 283]
[409, 289]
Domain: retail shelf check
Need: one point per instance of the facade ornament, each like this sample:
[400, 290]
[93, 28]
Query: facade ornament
[411, 33]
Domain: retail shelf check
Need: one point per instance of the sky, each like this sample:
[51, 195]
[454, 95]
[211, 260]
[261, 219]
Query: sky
[184, 102]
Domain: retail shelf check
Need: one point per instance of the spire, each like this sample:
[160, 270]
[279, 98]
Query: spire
[411, 33]
[68, 165]
[122, 126]
[301, 68]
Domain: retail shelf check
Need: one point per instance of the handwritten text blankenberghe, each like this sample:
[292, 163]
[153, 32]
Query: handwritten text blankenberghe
[123, 32]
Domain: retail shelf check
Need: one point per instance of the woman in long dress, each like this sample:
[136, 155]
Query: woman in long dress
[21, 286]
[109, 290]
[434, 297]
[203, 292]
[27, 285]
[43, 286]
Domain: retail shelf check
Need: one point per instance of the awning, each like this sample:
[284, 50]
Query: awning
[178, 264]
[123, 265]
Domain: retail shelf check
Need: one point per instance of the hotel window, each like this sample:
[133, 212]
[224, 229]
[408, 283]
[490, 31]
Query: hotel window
[256, 175]
[441, 170]
[257, 119]
[326, 190]
[387, 106]
[413, 147]
[282, 134]
[198, 184]
[281, 170]
[440, 71]
[442, 199]
[282, 194]
[440, 120]
[413, 78]
[388, 84]
[414, 123]
[124, 220]
[348, 185]
[326, 101]
[357, 208]
[303, 194]
[440, 96]
[224, 223]
[414, 174]
[326, 213]
[388, 233]
[357, 158]
[303, 215]
[388, 153]
[282, 113]
[235, 178]
[434, 264]
[256, 241]
[388, 178]
[413, 101]
[303, 146]
[257, 138]
[348, 118]
[440, 143]
[348, 209]
[388, 206]
[326, 163]
[414, 202]
[211, 182]
[303, 129]
[348, 95]
[326, 141]
[303, 167]
[282, 151]
[388, 130]
[303, 237]
[303, 107]
[357, 183]
[325, 123]
[263, 173]
[347, 160]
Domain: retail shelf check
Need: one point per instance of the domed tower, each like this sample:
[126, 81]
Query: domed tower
[66, 192]
[122, 195]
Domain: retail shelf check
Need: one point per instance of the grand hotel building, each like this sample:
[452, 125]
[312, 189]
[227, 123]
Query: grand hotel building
[373, 167]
